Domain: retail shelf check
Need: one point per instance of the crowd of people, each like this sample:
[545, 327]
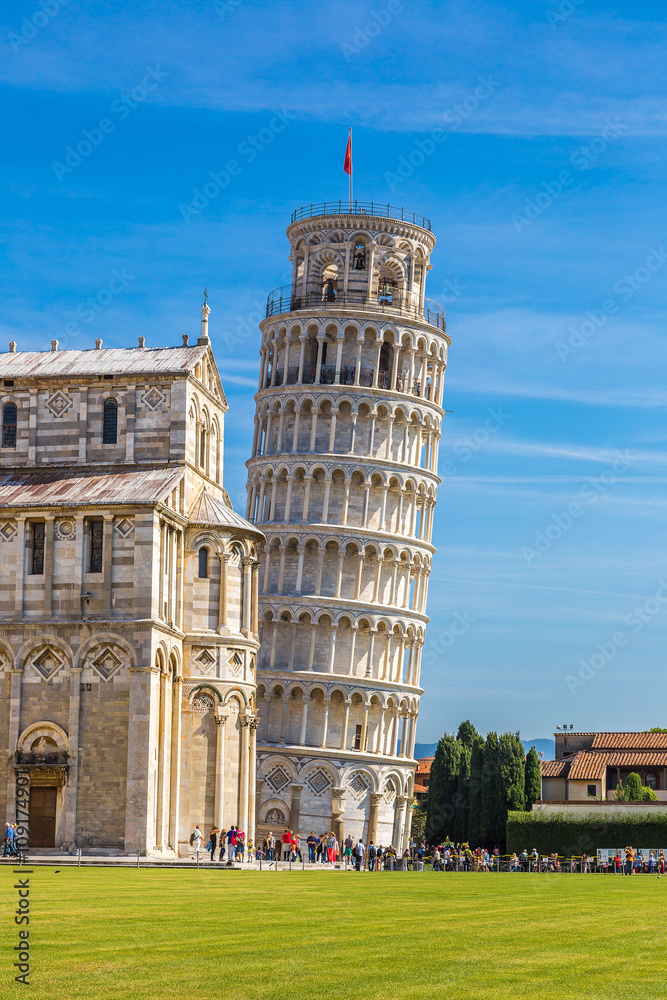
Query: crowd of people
[11, 841]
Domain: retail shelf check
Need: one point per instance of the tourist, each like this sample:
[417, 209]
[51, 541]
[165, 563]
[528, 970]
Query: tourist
[629, 860]
[213, 841]
[312, 846]
[360, 852]
[319, 850]
[287, 843]
[231, 844]
[10, 840]
[514, 864]
[661, 863]
[270, 846]
[251, 850]
[196, 840]
[240, 844]
[348, 845]
[223, 845]
[380, 854]
[371, 856]
[331, 849]
[651, 863]
[435, 861]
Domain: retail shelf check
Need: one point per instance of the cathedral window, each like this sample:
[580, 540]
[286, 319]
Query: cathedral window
[110, 423]
[9, 415]
[96, 546]
[203, 563]
[37, 532]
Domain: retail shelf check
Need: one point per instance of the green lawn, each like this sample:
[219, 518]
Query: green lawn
[156, 934]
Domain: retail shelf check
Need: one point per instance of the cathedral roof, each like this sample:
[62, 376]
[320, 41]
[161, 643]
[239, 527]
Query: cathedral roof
[109, 361]
[212, 512]
[45, 489]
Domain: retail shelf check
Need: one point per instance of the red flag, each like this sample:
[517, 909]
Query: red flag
[347, 166]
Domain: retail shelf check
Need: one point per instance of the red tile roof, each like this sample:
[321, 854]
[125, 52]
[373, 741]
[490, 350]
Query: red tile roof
[420, 790]
[655, 758]
[588, 765]
[555, 768]
[424, 765]
[630, 741]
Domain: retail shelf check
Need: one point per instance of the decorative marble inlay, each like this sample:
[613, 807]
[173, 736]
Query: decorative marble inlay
[203, 703]
[47, 662]
[65, 528]
[153, 398]
[359, 784]
[106, 660]
[59, 403]
[7, 530]
[318, 781]
[124, 526]
[277, 778]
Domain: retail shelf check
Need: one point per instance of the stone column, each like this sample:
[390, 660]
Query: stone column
[247, 593]
[346, 723]
[308, 480]
[14, 723]
[218, 812]
[49, 539]
[19, 574]
[222, 596]
[339, 573]
[399, 822]
[295, 432]
[108, 564]
[364, 731]
[304, 719]
[353, 641]
[255, 596]
[379, 748]
[252, 782]
[338, 811]
[404, 717]
[295, 807]
[332, 651]
[299, 570]
[360, 569]
[376, 799]
[288, 498]
[175, 793]
[73, 756]
[311, 651]
[325, 723]
[283, 721]
[394, 734]
[371, 650]
[244, 722]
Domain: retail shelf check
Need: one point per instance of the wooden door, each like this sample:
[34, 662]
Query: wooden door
[43, 816]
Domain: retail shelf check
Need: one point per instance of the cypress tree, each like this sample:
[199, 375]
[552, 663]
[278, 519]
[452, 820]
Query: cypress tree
[442, 789]
[461, 802]
[533, 778]
[488, 790]
[467, 733]
[475, 791]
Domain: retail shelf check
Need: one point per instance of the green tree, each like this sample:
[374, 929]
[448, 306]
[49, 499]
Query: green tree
[418, 823]
[532, 778]
[511, 780]
[633, 788]
[656, 729]
[648, 795]
[442, 790]
[467, 733]
[489, 791]
[462, 801]
[475, 791]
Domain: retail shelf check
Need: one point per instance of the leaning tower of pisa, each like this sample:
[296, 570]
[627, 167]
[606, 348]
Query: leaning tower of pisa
[342, 481]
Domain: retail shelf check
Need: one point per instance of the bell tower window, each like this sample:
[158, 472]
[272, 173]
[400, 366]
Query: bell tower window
[359, 257]
[110, 422]
[330, 283]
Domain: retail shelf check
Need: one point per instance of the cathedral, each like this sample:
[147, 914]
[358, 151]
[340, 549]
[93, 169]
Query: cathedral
[128, 600]
[167, 662]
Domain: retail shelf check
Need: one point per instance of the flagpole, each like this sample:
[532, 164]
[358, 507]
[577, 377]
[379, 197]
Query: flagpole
[351, 167]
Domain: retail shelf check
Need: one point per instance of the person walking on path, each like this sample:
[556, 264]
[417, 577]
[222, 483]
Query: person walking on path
[223, 845]
[196, 840]
[231, 844]
[348, 844]
[312, 846]
[271, 846]
[287, 843]
[371, 856]
[213, 841]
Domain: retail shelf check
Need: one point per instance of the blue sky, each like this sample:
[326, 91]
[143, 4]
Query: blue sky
[547, 198]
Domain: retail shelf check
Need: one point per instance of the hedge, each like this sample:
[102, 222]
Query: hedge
[568, 835]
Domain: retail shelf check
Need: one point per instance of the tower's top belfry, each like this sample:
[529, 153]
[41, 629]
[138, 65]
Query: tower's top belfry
[365, 257]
